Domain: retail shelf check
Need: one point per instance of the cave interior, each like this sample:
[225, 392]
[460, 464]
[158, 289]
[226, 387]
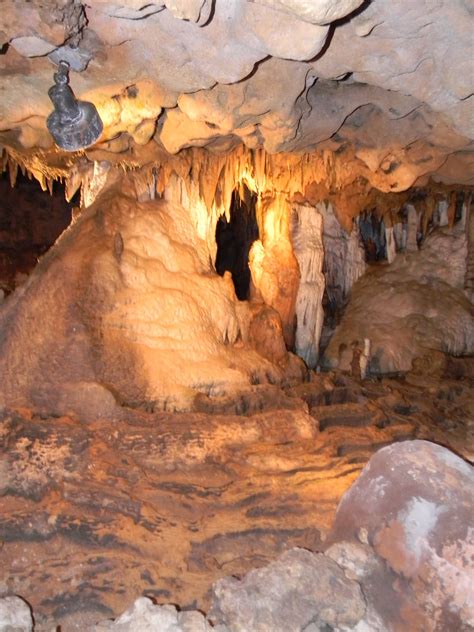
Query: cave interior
[236, 324]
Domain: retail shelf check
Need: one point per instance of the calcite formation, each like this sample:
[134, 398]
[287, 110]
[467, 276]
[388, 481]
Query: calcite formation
[132, 312]
[417, 307]
[374, 81]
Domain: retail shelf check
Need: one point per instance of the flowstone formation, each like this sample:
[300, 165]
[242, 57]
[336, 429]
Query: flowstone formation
[133, 313]
[418, 308]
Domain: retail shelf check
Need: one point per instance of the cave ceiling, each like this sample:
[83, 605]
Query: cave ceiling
[386, 86]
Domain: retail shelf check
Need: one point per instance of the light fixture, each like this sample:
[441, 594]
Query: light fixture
[73, 124]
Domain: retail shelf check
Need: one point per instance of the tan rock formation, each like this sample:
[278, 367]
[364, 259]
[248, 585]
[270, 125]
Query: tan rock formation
[287, 75]
[128, 298]
[411, 308]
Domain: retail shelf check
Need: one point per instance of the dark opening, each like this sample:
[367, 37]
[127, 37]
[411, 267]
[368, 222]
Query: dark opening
[30, 222]
[234, 240]
[372, 232]
[460, 199]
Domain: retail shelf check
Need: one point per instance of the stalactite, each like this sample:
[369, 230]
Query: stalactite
[93, 180]
[12, 171]
[344, 257]
[73, 183]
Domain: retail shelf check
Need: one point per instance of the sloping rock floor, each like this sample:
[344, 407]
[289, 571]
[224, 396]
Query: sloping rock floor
[95, 514]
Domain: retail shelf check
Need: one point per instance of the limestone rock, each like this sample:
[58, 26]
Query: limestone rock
[344, 260]
[139, 289]
[32, 46]
[307, 239]
[414, 503]
[145, 616]
[394, 101]
[288, 595]
[196, 10]
[317, 12]
[284, 35]
[15, 615]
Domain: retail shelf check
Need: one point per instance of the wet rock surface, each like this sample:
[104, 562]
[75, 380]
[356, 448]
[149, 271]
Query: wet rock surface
[95, 514]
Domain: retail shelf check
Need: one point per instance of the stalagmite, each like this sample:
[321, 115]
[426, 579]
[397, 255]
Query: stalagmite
[391, 247]
[398, 235]
[273, 265]
[443, 219]
[411, 228]
[306, 235]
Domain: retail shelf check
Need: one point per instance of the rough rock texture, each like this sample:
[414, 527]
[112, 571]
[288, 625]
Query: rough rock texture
[297, 590]
[132, 311]
[94, 515]
[399, 558]
[273, 74]
[15, 615]
[411, 308]
[413, 503]
[145, 616]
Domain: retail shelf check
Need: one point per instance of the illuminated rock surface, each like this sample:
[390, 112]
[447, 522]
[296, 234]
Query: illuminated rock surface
[132, 312]
[269, 74]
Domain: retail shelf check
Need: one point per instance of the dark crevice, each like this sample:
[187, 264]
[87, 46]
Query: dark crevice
[30, 222]
[372, 232]
[234, 240]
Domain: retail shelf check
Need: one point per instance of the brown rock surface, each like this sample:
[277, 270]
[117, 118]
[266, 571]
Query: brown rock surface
[414, 503]
[95, 514]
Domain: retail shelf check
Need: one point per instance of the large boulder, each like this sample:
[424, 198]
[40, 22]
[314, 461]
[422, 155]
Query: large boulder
[15, 615]
[414, 503]
[298, 590]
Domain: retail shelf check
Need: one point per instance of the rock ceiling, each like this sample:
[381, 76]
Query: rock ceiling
[385, 85]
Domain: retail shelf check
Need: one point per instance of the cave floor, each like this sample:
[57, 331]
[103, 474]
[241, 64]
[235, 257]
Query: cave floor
[162, 504]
